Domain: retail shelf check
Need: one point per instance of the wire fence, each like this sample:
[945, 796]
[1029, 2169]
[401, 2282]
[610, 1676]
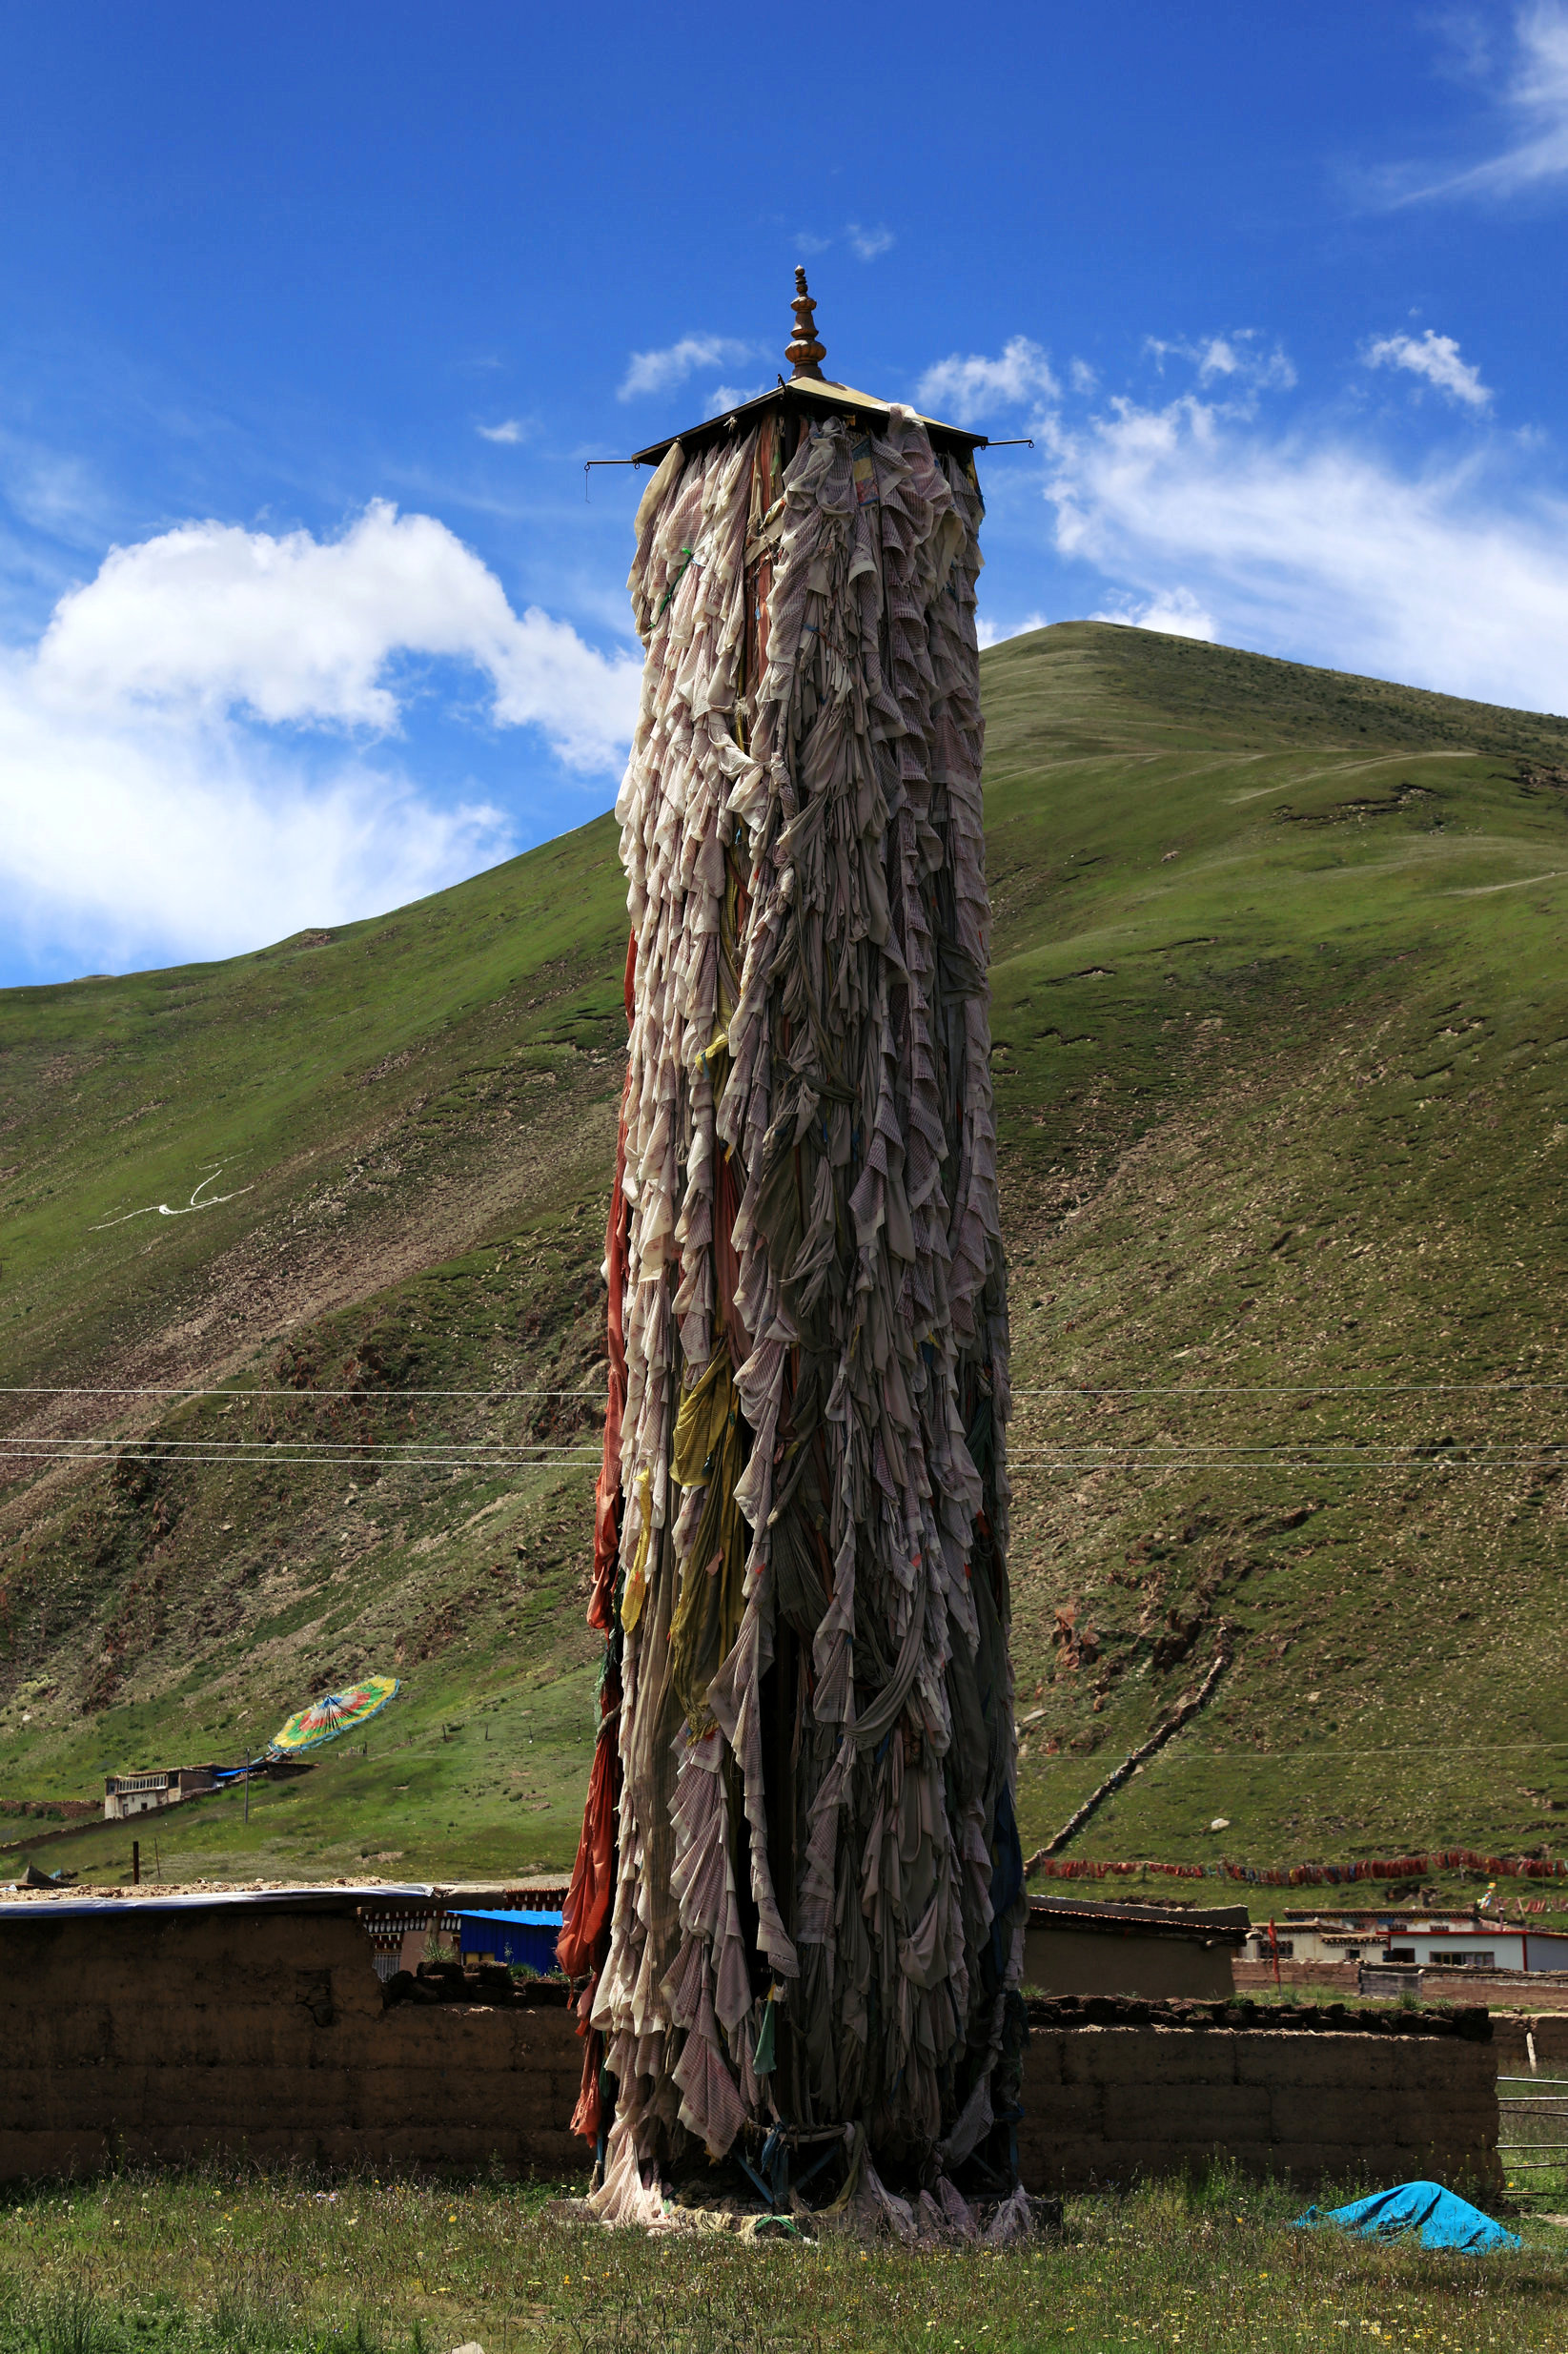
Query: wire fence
[1533, 2136]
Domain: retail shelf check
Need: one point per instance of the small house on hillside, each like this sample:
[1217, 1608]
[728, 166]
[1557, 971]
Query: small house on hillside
[1346, 1936]
[139, 1794]
[1481, 1944]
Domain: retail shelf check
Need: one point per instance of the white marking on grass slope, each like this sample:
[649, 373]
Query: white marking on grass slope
[162, 1209]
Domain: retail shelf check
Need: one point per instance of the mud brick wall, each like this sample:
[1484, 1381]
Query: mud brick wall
[1111, 2104]
[1547, 2029]
[157, 2036]
[154, 2039]
[1252, 1978]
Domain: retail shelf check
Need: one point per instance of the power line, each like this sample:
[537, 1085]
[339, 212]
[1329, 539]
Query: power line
[1065, 1389]
[298, 1397]
[389, 1463]
[1286, 1389]
[1318, 1450]
[326, 1463]
[176, 1450]
[1209, 1463]
[1188, 1755]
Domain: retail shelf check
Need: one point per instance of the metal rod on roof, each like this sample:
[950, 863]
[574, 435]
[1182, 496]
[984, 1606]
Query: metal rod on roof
[1023, 442]
[604, 462]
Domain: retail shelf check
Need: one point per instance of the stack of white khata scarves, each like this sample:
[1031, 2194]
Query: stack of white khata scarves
[817, 1914]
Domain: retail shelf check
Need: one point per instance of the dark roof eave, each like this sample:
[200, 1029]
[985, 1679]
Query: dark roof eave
[1229, 1924]
[802, 392]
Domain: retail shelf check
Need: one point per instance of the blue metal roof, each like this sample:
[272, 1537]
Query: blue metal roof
[521, 1920]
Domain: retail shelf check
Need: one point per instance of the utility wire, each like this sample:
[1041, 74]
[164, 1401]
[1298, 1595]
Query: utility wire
[1207, 1462]
[1288, 1389]
[174, 1449]
[1065, 1389]
[1247, 1458]
[1190, 1755]
[252, 1463]
[300, 1397]
[324, 1456]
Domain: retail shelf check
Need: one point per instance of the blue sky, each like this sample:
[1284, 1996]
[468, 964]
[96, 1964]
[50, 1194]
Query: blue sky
[309, 319]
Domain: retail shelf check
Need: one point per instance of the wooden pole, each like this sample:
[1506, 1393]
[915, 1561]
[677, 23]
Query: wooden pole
[135, 1862]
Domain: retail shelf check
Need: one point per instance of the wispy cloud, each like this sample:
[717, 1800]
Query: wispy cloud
[997, 633]
[866, 244]
[194, 755]
[1451, 574]
[1436, 359]
[1177, 612]
[866, 240]
[1237, 358]
[511, 430]
[969, 389]
[1533, 102]
[661, 371]
[732, 396]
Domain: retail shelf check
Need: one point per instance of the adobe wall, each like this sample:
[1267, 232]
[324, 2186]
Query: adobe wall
[1547, 2029]
[153, 2039]
[1257, 1977]
[1110, 2105]
[1061, 1960]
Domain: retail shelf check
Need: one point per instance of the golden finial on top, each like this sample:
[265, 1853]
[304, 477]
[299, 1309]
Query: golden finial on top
[804, 349]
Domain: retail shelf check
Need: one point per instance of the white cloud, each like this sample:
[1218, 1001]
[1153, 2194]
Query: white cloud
[511, 430]
[1451, 575]
[1233, 358]
[1436, 357]
[210, 616]
[1177, 613]
[970, 389]
[868, 241]
[724, 397]
[1082, 377]
[1535, 100]
[995, 633]
[654, 372]
[178, 769]
[134, 842]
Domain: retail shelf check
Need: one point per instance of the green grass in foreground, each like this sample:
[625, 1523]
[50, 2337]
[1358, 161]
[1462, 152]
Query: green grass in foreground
[231, 2263]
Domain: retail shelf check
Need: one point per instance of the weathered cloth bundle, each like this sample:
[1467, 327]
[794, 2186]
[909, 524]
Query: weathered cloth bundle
[816, 1912]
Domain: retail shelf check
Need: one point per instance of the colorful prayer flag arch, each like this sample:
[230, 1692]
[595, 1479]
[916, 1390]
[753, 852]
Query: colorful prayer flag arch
[334, 1712]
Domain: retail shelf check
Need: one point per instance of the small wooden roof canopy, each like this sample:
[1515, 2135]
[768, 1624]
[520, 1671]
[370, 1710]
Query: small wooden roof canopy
[809, 394]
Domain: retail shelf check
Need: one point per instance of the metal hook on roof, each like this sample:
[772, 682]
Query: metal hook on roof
[587, 462]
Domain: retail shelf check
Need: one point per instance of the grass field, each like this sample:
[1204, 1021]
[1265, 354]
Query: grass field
[215, 2263]
[1280, 1011]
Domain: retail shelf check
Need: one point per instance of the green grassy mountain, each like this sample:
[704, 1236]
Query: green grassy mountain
[1280, 1011]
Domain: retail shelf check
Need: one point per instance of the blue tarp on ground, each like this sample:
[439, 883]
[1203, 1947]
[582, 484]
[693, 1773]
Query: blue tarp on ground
[1442, 2220]
[525, 1938]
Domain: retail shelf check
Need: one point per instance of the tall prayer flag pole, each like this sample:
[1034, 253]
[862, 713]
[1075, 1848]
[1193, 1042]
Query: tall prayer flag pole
[798, 1903]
